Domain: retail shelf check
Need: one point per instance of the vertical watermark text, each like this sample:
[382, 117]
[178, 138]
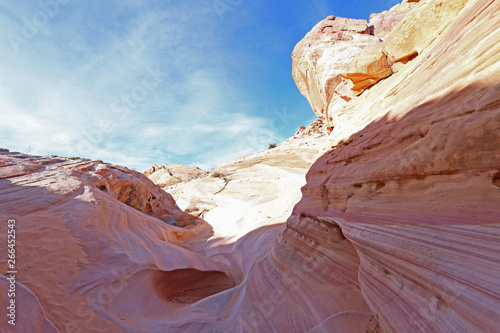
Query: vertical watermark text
[11, 272]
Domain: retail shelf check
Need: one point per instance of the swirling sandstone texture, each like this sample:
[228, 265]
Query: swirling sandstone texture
[411, 178]
[98, 246]
[396, 229]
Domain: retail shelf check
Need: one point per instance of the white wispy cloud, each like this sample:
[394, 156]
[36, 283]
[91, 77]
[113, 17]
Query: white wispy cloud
[130, 84]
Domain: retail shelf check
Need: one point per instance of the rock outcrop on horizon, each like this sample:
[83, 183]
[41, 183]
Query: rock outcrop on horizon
[340, 58]
[171, 174]
[396, 227]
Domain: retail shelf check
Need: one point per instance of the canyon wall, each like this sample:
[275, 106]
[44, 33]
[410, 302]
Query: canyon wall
[411, 175]
[101, 248]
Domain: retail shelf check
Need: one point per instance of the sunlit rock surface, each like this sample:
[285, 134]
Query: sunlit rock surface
[322, 56]
[412, 176]
[255, 190]
[340, 58]
[382, 24]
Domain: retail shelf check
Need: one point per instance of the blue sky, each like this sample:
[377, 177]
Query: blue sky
[139, 83]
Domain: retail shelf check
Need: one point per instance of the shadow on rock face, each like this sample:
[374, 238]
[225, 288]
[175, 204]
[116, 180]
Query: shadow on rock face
[187, 286]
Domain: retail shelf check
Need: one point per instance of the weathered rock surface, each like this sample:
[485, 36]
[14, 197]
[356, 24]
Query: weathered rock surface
[420, 28]
[340, 58]
[382, 24]
[321, 57]
[317, 128]
[370, 66]
[171, 174]
[27, 315]
[411, 178]
[108, 263]
[93, 247]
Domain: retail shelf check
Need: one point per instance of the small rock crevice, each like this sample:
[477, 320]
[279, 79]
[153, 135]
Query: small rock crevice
[226, 181]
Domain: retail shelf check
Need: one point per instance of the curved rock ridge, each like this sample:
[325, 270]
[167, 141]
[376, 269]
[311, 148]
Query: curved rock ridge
[98, 261]
[31, 318]
[411, 178]
[247, 202]
[93, 246]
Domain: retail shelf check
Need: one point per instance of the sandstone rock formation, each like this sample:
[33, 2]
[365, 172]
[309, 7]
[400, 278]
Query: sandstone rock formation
[411, 176]
[168, 175]
[397, 228]
[420, 28]
[340, 58]
[255, 190]
[320, 58]
[317, 128]
[381, 24]
[93, 245]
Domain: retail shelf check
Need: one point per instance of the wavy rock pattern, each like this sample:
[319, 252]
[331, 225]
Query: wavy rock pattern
[29, 316]
[412, 179]
[92, 245]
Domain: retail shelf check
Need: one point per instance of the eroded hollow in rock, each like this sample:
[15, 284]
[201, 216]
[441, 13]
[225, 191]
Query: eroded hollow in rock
[186, 286]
